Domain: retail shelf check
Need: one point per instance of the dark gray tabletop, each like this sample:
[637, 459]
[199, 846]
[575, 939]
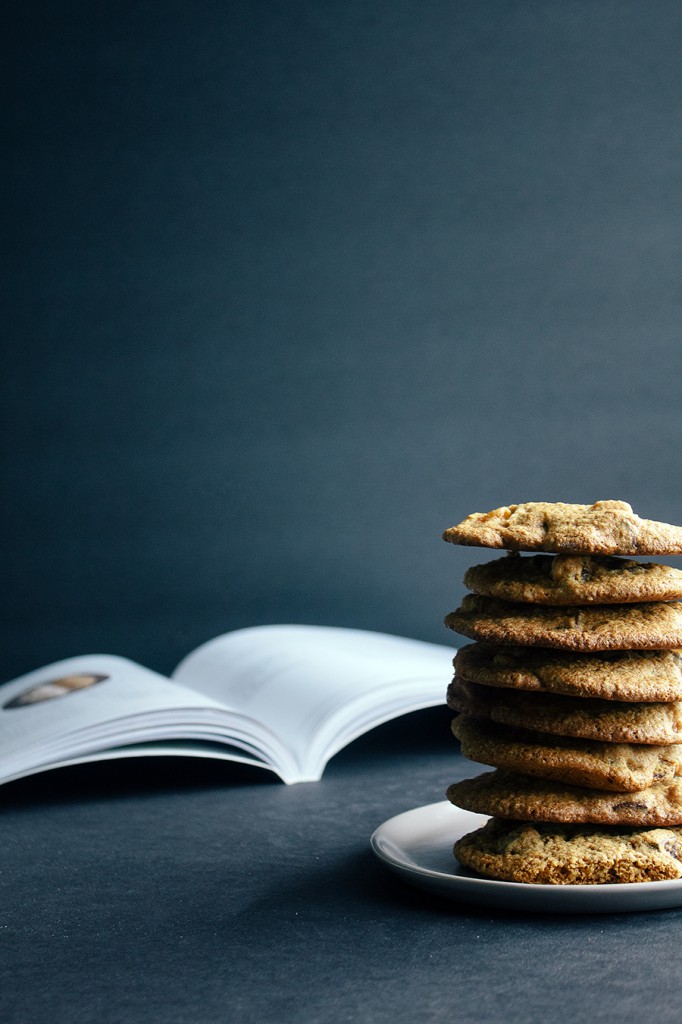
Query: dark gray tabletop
[184, 891]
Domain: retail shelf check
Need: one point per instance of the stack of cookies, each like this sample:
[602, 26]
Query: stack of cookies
[573, 693]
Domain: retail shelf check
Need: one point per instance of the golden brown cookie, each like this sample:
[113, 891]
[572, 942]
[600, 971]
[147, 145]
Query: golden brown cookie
[617, 767]
[575, 580]
[601, 628]
[609, 721]
[605, 528]
[553, 854]
[503, 794]
[612, 675]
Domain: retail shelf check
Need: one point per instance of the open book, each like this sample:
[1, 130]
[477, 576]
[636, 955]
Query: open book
[285, 698]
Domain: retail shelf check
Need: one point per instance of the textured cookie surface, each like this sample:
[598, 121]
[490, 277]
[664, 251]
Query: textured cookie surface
[609, 721]
[600, 628]
[617, 767]
[503, 794]
[653, 675]
[575, 580]
[571, 854]
[605, 528]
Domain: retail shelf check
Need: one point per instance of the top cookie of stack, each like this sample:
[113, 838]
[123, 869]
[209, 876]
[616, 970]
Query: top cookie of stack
[605, 528]
[573, 691]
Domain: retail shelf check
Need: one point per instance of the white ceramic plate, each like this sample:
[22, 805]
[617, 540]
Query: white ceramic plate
[418, 846]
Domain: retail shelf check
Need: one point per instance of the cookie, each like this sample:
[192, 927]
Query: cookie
[612, 675]
[601, 628]
[605, 528]
[503, 794]
[590, 719]
[617, 767]
[575, 580]
[552, 854]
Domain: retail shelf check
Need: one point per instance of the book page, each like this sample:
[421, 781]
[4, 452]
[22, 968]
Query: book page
[54, 704]
[295, 679]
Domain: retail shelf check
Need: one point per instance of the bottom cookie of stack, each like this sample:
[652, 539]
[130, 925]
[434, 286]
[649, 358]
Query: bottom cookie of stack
[544, 853]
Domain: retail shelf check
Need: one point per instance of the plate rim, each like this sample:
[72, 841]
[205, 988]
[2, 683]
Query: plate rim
[599, 893]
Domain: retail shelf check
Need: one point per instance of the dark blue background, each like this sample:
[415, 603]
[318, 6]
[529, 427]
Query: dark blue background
[294, 286]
